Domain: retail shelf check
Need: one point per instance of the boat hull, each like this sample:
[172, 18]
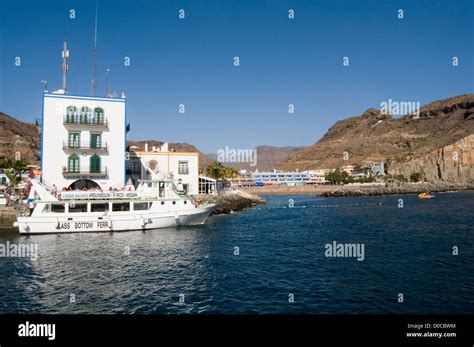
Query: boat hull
[112, 222]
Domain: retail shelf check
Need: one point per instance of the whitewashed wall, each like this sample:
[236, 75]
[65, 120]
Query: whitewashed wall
[54, 157]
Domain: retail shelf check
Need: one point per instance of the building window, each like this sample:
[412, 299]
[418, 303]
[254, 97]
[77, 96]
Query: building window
[85, 114]
[96, 140]
[74, 140]
[73, 163]
[98, 115]
[183, 168]
[71, 114]
[95, 164]
[134, 167]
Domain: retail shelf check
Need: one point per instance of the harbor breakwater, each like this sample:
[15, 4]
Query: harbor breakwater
[230, 201]
[396, 189]
[367, 189]
[8, 215]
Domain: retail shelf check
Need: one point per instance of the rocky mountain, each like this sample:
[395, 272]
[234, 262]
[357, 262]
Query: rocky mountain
[425, 144]
[204, 160]
[16, 136]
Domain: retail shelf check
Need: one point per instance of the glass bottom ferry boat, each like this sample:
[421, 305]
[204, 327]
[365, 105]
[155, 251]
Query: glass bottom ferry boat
[155, 204]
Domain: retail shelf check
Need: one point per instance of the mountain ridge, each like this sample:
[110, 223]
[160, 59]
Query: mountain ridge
[374, 136]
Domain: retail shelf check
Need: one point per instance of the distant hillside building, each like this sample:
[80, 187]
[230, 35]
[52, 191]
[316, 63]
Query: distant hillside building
[83, 141]
[378, 169]
[349, 169]
[162, 163]
[361, 172]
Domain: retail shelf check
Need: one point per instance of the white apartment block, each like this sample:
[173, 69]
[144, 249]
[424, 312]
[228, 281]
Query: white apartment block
[83, 141]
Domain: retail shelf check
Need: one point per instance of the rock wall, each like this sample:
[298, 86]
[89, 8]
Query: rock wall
[16, 136]
[452, 163]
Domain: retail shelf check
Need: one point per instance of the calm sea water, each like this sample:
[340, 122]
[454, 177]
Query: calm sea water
[281, 252]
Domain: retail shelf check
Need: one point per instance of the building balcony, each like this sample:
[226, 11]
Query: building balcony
[77, 122]
[85, 146]
[85, 173]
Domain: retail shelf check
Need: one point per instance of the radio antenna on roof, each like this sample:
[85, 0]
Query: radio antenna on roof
[94, 77]
[65, 65]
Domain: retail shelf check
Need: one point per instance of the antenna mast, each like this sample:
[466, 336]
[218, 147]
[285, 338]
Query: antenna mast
[94, 78]
[107, 82]
[65, 65]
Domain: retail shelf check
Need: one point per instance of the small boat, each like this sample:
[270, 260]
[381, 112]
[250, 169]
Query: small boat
[155, 204]
[425, 195]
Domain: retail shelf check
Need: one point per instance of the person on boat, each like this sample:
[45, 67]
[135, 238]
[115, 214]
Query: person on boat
[31, 205]
[180, 188]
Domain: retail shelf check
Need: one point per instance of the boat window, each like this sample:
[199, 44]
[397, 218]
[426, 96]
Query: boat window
[140, 206]
[99, 207]
[122, 206]
[77, 208]
[47, 208]
[57, 208]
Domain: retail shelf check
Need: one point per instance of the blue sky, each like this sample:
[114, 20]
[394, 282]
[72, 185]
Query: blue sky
[282, 61]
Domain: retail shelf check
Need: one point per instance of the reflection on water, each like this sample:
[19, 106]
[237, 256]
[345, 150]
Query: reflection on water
[281, 251]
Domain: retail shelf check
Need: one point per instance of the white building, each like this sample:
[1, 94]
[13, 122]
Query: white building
[161, 163]
[83, 141]
[280, 177]
[290, 178]
[318, 176]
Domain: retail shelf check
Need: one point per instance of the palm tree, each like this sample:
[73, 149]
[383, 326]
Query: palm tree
[230, 172]
[6, 163]
[215, 170]
[14, 169]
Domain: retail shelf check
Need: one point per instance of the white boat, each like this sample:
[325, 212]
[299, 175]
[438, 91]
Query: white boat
[155, 204]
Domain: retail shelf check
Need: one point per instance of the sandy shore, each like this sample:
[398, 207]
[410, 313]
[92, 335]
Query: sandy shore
[274, 190]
